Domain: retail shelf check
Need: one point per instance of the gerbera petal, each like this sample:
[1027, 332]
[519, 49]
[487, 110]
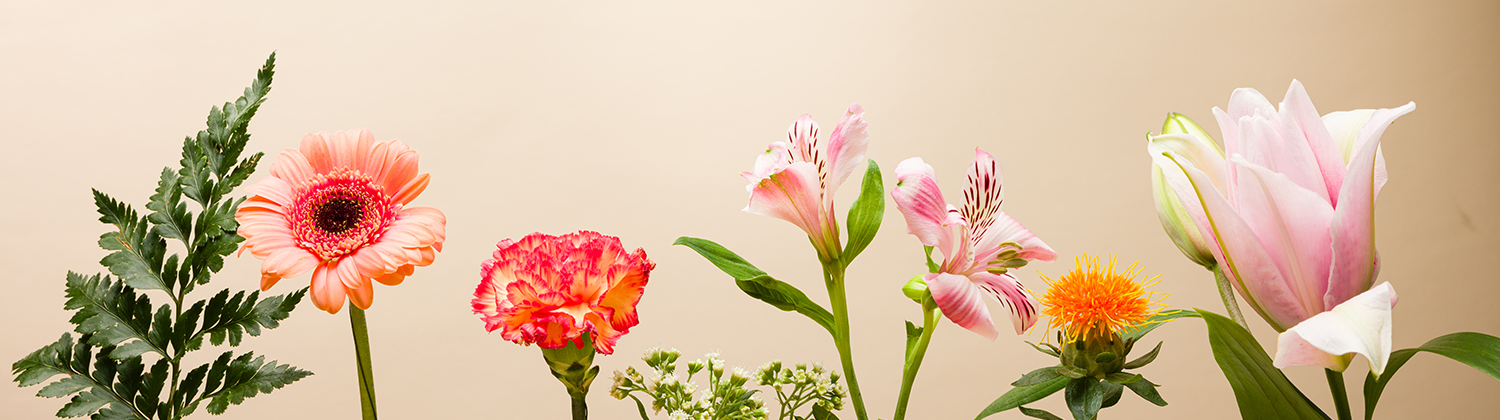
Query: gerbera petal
[409, 192]
[1361, 325]
[962, 302]
[1014, 297]
[363, 295]
[327, 292]
[287, 262]
[402, 168]
[846, 150]
[272, 189]
[316, 149]
[398, 276]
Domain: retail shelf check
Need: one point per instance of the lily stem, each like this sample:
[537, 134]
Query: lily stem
[834, 279]
[1226, 293]
[1340, 395]
[362, 356]
[930, 316]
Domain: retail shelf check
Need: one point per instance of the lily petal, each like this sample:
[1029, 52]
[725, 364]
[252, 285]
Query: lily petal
[1241, 256]
[962, 303]
[1292, 223]
[1361, 325]
[1299, 118]
[1355, 261]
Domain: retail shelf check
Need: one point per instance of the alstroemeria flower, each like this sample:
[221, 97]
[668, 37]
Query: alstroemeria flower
[551, 290]
[1360, 325]
[971, 240]
[795, 180]
[1289, 214]
[337, 206]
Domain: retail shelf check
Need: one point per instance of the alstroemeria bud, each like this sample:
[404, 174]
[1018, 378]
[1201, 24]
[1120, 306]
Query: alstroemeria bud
[916, 290]
[1174, 218]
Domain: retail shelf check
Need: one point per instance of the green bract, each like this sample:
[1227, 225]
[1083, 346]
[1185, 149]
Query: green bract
[129, 351]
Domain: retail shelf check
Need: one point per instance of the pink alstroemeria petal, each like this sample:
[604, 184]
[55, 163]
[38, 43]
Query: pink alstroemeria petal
[846, 150]
[962, 302]
[773, 159]
[1292, 224]
[984, 192]
[1006, 229]
[1300, 119]
[791, 195]
[1361, 325]
[1008, 291]
[1241, 256]
[921, 202]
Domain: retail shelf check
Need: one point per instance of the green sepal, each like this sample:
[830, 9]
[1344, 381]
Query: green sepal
[932, 267]
[865, 214]
[757, 283]
[1112, 393]
[1122, 378]
[1479, 351]
[1023, 395]
[1133, 334]
[1071, 371]
[1261, 390]
[1144, 359]
[913, 334]
[1105, 357]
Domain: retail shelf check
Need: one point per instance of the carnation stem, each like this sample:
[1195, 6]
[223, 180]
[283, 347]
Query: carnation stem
[362, 354]
[580, 406]
[930, 316]
[1226, 293]
[1340, 395]
[834, 278]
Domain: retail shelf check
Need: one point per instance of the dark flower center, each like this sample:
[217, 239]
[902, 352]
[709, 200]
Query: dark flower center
[338, 215]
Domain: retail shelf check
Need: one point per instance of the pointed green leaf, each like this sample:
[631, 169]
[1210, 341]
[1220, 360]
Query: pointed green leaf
[1144, 360]
[1261, 390]
[1084, 397]
[1070, 371]
[913, 333]
[1112, 393]
[1479, 351]
[1023, 395]
[1147, 391]
[112, 314]
[932, 267]
[865, 214]
[820, 413]
[1122, 378]
[1037, 376]
[248, 378]
[757, 283]
[1130, 334]
[1039, 414]
[1050, 350]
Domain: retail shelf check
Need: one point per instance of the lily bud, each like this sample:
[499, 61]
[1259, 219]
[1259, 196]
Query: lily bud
[1174, 218]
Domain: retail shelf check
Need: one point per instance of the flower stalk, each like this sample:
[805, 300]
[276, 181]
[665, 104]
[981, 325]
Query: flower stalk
[1226, 293]
[362, 360]
[930, 316]
[833, 273]
[1340, 394]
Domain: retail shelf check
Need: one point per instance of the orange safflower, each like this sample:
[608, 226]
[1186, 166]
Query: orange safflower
[1093, 299]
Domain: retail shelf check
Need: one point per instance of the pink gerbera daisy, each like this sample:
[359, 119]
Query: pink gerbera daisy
[337, 205]
[551, 290]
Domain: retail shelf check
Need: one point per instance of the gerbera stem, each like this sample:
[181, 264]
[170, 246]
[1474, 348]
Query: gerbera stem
[834, 279]
[1226, 293]
[1340, 395]
[362, 354]
[930, 316]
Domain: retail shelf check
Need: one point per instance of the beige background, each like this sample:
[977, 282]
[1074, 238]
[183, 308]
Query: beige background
[634, 118]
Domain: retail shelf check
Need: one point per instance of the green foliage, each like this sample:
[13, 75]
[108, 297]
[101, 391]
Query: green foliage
[757, 283]
[1261, 390]
[729, 397]
[1479, 351]
[1021, 395]
[119, 326]
[865, 214]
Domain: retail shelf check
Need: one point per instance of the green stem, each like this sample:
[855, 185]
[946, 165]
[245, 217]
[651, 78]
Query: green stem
[1340, 395]
[1226, 293]
[834, 279]
[580, 406]
[362, 356]
[930, 316]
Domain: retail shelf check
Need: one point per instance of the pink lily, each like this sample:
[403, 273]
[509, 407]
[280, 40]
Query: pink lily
[972, 241]
[1288, 216]
[795, 180]
[1361, 325]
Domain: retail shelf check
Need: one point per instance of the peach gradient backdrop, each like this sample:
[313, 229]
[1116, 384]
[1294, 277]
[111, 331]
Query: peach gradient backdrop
[633, 119]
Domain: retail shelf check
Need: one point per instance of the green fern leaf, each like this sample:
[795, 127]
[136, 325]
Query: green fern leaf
[111, 314]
